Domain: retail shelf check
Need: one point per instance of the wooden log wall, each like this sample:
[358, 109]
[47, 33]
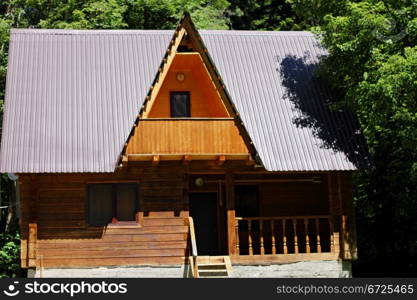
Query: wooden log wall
[277, 199]
[55, 205]
[64, 238]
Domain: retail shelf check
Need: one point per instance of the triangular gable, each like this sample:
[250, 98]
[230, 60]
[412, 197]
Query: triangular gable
[187, 36]
[188, 74]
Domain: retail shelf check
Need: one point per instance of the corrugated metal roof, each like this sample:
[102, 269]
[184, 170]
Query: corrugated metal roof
[73, 95]
[285, 109]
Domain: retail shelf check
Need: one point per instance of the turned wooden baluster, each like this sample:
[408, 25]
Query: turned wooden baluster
[250, 237]
[261, 233]
[274, 249]
[284, 237]
[331, 236]
[237, 237]
[307, 237]
[318, 236]
[294, 224]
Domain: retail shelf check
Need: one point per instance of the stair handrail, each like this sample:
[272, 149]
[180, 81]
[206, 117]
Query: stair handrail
[193, 245]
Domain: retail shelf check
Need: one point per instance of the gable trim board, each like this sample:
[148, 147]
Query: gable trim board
[73, 95]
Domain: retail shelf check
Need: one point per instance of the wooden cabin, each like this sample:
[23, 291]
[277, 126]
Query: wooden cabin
[193, 153]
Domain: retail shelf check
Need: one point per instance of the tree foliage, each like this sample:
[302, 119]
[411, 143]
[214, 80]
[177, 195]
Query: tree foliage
[373, 61]
[164, 14]
[263, 15]
[9, 254]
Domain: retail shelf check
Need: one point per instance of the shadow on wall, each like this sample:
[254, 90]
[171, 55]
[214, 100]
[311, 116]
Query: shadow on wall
[338, 128]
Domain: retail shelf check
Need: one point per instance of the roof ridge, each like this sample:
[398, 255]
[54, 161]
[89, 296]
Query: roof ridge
[41, 31]
[257, 32]
[87, 31]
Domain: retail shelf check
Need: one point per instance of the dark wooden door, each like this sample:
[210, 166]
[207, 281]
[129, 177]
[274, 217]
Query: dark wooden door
[203, 209]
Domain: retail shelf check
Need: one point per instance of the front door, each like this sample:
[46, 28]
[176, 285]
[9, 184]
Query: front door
[203, 210]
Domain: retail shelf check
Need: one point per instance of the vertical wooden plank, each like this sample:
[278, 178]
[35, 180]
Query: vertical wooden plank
[339, 202]
[273, 246]
[221, 216]
[23, 226]
[332, 249]
[230, 206]
[250, 237]
[335, 210]
[139, 217]
[23, 251]
[284, 237]
[318, 235]
[237, 238]
[33, 237]
[336, 242]
[261, 234]
[307, 237]
[186, 136]
[185, 190]
[345, 245]
[294, 224]
[33, 227]
[348, 236]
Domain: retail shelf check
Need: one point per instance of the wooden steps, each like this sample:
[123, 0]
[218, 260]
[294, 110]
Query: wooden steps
[214, 266]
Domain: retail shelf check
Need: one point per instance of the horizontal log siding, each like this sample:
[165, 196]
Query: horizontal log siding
[57, 204]
[65, 239]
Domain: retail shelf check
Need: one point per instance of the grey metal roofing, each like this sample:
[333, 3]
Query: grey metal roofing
[72, 97]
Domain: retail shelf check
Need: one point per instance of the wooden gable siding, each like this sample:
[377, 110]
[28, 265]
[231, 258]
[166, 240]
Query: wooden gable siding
[210, 130]
[186, 136]
[205, 101]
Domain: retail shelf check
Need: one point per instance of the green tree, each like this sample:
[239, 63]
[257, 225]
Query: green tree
[164, 14]
[86, 15]
[373, 61]
[263, 15]
[9, 254]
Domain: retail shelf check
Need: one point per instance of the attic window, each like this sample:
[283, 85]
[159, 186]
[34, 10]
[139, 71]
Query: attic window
[185, 48]
[186, 45]
[180, 104]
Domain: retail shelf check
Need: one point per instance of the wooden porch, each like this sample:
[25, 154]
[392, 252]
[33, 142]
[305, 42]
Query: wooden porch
[323, 231]
[300, 217]
[265, 241]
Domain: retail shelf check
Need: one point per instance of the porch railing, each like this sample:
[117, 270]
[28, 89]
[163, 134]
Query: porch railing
[285, 235]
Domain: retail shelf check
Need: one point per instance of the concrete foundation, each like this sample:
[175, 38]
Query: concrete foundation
[116, 272]
[311, 269]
